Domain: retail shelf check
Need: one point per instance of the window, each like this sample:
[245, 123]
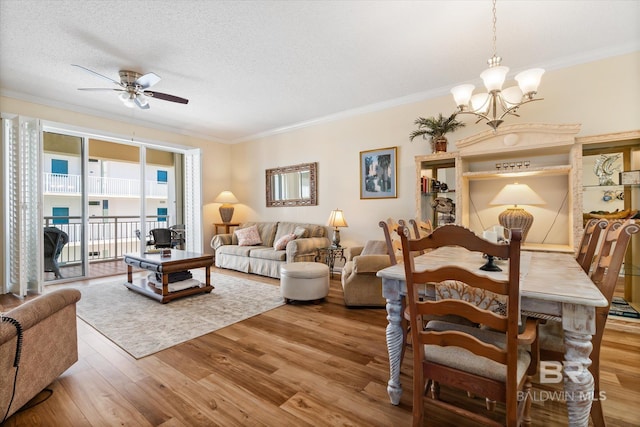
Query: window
[60, 166]
[161, 212]
[162, 176]
[60, 212]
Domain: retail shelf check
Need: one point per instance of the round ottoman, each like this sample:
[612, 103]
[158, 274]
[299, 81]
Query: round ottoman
[304, 281]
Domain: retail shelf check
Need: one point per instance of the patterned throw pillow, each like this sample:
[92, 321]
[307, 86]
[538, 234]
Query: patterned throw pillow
[282, 242]
[301, 232]
[248, 236]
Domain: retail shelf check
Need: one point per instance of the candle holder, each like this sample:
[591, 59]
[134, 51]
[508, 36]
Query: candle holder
[490, 264]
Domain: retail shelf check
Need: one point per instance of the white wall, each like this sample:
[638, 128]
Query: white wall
[602, 96]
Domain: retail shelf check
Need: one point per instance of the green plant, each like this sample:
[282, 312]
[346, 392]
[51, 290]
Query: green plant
[434, 128]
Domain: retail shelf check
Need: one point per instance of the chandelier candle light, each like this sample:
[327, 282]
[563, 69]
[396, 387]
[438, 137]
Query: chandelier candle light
[496, 103]
[516, 217]
[226, 210]
[336, 219]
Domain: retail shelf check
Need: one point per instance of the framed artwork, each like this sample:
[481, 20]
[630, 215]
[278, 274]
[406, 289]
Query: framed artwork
[378, 173]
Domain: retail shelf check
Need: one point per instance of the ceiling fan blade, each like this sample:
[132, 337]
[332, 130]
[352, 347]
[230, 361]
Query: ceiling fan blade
[97, 74]
[166, 97]
[100, 88]
[148, 80]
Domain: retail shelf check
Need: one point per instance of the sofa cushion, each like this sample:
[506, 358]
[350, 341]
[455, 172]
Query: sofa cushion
[267, 253]
[301, 232]
[267, 231]
[374, 247]
[237, 250]
[281, 243]
[312, 230]
[248, 236]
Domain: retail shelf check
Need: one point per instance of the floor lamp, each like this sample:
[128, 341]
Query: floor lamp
[515, 216]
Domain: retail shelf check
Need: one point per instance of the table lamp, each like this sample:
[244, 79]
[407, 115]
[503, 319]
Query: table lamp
[516, 217]
[336, 219]
[226, 210]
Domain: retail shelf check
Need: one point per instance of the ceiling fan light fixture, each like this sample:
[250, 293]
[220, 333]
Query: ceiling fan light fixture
[142, 100]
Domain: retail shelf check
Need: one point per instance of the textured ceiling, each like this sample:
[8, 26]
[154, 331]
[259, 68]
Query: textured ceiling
[256, 67]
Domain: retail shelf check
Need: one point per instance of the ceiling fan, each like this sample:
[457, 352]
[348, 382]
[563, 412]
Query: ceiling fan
[133, 88]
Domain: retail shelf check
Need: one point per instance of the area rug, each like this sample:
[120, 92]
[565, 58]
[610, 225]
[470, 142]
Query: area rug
[620, 307]
[142, 326]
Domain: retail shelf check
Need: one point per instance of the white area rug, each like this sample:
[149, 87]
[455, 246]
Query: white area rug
[142, 326]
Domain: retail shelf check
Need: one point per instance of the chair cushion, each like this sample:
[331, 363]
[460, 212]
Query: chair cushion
[374, 247]
[464, 360]
[551, 336]
[248, 236]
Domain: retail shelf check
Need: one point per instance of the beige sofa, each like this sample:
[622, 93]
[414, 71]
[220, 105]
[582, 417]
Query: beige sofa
[264, 259]
[49, 346]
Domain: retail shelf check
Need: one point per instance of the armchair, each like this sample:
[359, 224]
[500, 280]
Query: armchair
[49, 347]
[360, 284]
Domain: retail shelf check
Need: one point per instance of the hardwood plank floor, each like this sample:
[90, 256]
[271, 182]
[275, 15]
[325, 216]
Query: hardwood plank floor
[297, 365]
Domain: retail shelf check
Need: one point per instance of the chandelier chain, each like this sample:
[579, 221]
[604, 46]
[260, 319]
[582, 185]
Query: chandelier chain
[495, 19]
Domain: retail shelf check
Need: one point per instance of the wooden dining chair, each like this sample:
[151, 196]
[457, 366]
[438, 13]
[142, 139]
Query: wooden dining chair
[589, 242]
[489, 361]
[606, 268]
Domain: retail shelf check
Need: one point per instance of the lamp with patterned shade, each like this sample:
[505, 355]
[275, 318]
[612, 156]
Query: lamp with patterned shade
[226, 210]
[515, 216]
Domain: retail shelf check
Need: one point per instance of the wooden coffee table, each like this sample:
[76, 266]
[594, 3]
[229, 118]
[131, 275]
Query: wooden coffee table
[155, 262]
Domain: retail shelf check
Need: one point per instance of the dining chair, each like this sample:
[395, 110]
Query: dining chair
[491, 361]
[606, 268]
[589, 242]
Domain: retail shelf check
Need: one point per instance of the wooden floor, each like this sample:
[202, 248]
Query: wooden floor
[297, 365]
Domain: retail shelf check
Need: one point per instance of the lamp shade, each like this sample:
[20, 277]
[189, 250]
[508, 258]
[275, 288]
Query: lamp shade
[226, 210]
[336, 219]
[226, 197]
[517, 194]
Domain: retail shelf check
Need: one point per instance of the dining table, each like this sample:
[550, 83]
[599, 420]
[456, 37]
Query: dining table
[553, 286]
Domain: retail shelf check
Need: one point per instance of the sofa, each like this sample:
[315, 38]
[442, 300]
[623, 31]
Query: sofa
[262, 247]
[49, 346]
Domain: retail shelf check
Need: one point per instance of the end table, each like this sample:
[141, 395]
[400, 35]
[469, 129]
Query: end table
[329, 255]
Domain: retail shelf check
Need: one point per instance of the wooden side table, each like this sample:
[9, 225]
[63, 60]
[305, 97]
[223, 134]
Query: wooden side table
[329, 256]
[225, 225]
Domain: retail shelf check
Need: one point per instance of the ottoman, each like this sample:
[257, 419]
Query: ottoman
[304, 281]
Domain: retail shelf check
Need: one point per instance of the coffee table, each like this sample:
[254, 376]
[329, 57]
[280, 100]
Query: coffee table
[155, 262]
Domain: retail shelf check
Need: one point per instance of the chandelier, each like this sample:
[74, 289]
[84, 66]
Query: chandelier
[496, 103]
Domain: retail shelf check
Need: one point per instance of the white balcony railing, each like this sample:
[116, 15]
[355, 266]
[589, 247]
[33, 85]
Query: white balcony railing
[55, 183]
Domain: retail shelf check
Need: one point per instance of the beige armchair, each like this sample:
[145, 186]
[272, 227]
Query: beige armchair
[49, 346]
[359, 282]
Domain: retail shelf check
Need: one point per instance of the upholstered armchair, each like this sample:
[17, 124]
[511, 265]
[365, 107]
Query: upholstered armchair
[49, 346]
[359, 282]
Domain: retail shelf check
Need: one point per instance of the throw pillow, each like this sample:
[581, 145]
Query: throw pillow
[301, 232]
[282, 242]
[374, 247]
[248, 236]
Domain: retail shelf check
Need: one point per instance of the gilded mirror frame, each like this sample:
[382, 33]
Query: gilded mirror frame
[312, 200]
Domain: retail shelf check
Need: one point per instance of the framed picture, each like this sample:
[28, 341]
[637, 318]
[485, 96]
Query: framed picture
[378, 173]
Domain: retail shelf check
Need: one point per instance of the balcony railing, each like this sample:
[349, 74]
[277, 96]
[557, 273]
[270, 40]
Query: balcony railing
[109, 237]
[56, 183]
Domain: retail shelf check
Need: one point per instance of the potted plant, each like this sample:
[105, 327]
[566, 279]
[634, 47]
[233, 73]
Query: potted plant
[435, 129]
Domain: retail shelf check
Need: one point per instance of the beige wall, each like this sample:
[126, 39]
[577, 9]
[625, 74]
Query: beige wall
[602, 96]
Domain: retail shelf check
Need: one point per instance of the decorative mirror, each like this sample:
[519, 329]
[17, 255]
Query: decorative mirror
[292, 185]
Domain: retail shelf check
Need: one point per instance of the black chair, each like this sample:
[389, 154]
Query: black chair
[54, 241]
[177, 236]
[162, 237]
